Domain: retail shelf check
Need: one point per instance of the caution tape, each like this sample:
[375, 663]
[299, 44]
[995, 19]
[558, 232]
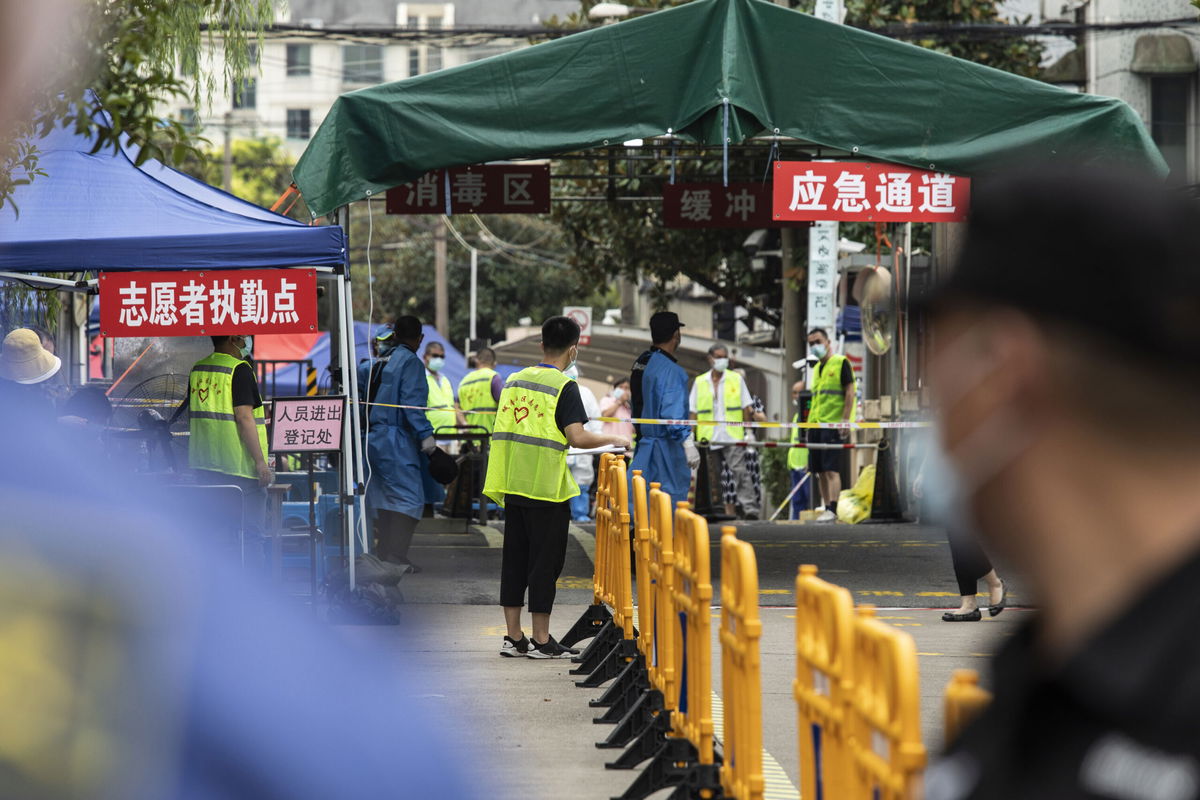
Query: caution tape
[693, 423]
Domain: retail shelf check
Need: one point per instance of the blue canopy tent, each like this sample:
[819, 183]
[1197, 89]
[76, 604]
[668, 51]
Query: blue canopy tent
[102, 211]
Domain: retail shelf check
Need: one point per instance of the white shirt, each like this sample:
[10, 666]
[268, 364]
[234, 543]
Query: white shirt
[720, 434]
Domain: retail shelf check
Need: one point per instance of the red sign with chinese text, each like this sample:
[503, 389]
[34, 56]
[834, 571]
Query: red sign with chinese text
[478, 189]
[846, 191]
[209, 303]
[712, 205]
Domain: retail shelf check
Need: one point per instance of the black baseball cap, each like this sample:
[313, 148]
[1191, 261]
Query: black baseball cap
[663, 325]
[1105, 251]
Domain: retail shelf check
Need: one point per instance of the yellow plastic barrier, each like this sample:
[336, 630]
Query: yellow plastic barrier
[965, 700]
[824, 649]
[664, 662]
[887, 756]
[741, 682]
[618, 581]
[693, 600]
[603, 492]
[641, 551]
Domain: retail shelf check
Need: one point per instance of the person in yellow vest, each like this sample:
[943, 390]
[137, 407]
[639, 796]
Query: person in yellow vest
[541, 414]
[479, 391]
[720, 396]
[228, 430]
[797, 458]
[441, 391]
[833, 388]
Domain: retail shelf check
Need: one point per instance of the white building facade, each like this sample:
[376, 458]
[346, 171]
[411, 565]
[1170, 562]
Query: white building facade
[300, 76]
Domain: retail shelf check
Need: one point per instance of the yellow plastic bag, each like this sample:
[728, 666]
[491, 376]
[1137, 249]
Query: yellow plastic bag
[854, 505]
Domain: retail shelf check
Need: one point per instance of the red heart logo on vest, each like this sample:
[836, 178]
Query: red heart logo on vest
[520, 413]
[203, 395]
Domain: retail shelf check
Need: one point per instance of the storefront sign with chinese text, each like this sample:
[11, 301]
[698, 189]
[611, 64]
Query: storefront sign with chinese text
[209, 303]
[711, 205]
[307, 424]
[846, 191]
[478, 189]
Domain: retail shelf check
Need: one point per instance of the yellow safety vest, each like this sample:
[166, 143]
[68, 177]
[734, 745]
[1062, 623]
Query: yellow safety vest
[828, 395]
[797, 456]
[441, 396]
[529, 452]
[475, 396]
[214, 443]
[733, 405]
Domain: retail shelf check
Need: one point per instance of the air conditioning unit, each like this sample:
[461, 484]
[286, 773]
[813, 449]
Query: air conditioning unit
[1061, 10]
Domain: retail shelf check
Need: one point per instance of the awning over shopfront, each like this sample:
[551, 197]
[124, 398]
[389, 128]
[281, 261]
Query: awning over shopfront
[712, 71]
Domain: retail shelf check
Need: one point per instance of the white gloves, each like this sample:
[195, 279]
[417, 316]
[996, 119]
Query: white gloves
[693, 455]
[428, 445]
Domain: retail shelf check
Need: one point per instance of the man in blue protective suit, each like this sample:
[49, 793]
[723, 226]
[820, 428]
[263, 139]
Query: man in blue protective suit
[370, 370]
[398, 442]
[665, 453]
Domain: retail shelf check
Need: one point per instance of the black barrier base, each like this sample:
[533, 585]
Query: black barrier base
[655, 723]
[637, 719]
[622, 693]
[675, 765]
[614, 662]
[597, 649]
[588, 625]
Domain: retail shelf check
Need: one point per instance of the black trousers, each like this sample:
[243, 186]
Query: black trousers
[970, 562]
[535, 549]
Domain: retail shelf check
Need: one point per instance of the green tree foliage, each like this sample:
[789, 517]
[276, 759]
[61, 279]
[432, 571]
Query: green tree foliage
[130, 53]
[519, 271]
[262, 171]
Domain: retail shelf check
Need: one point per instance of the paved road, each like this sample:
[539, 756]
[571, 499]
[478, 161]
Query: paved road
[536, 726]
[904, 565]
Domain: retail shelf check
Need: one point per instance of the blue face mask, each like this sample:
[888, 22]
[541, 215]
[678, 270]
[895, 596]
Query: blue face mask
[247, 347]
[436, 363]
[818, 351]
[571, 369]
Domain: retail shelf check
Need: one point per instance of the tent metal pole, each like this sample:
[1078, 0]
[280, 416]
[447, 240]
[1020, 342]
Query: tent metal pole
[474, 285]
[346, 378]
[356, 462]
[49, 283]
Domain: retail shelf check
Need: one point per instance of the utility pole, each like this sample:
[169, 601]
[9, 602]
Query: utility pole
[441, 296]
[227, 165]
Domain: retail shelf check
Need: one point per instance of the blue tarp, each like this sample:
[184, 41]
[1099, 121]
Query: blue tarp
[101, 212]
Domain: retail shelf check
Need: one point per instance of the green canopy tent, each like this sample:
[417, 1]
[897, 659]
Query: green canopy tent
[712, 71]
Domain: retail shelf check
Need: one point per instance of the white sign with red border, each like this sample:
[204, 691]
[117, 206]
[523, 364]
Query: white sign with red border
[583, 317]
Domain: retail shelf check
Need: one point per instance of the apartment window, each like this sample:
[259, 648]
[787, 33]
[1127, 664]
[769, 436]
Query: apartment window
[299, 60]
[433, 23]
[299, 123]
[414, 61]
[1169, 120]
[245, 95]
[433, 59]
[189, 119]
[362, 63]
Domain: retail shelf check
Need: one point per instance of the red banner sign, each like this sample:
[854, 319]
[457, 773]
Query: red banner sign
[212, 303]
[711, 205]
[843, 191]
[478, 189]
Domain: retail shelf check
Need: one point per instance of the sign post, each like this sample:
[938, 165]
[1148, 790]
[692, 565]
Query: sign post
[309, 425]
[583, 317]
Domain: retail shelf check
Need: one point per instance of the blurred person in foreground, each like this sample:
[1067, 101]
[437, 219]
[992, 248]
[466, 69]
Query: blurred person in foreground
[1066, 382]
[138, 663]
[541, 416]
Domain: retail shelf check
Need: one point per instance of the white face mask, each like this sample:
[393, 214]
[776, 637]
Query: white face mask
[818, 350]
[950, 480]
[720, 364]
[436, 363]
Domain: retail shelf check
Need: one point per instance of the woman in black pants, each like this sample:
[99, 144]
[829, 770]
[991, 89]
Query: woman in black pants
[971, 564]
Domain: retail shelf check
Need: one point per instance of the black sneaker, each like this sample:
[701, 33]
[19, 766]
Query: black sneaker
[512, 648]
[551, 649]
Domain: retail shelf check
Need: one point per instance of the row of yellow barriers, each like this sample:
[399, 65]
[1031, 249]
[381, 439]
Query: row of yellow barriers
[856, 684]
